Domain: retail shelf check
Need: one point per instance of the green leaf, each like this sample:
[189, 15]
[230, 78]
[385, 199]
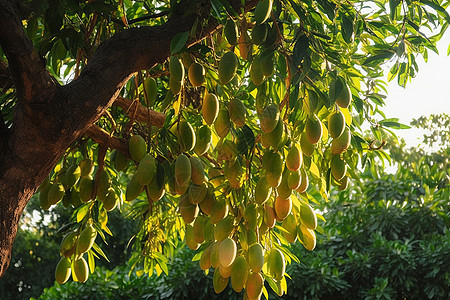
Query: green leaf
[91, 262]
[382, 55]
[82, 211]
[347, 29]
[393, 123]
[178, 42]
[300, 49]
[100, 251]
[392, 7]
[438, 8]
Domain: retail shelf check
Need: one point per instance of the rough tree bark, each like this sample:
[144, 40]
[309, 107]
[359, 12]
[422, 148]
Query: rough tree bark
[49, 117]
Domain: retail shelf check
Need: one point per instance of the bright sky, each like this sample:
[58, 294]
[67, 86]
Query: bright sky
[427, 93]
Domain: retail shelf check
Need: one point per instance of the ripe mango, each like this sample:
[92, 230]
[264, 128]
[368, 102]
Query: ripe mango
[225, 272]
[155, 188]
[55, 193]
[259, 34]
[256, 74]
[304, 183]
[230, 31]
[68, 244]
[269, 118]
[234, 173]
[275, 137]
[174, 85]
[86, 189]
[203, 140]
[251, 216]
[188, 211]
[294, 158]
[219, 211]
[196, 74]
[227, 67]
[227, 252]
[307, 147]
[256, 257]
[86, 239]
[340, 144]
[308, 216]
[269, 216]
[80, 270]
[224, 228]
[62, 271]
[215, 262]
[205, 259]
[190, 239]
[237, 112]
[276, 264]
[43, 197]
[133, 189]
[313, 129]
[199, 226]
[120, 160]
[111, 200]
[103, 185]
[262, 191]
[150, 89]
[239, 273]
[72, 175]
[267, 64]
[222, 124]
[262, 11]
[274, 169]
[210, 108]
[283, 190]
[75, 199]
[176, 70]
[294, 179]
[338, 167]
[254, 286]
[186, 59]
[261, 100]
[219, 283]
[197, 170]
[283, 207]
[290, 225]
[307, 237]
[336, 124]
[196, 193]
[137, 147]
[343, 184]
[208, 202]
[345, 98]
[186, 136]
[183, 170]
[86, 167]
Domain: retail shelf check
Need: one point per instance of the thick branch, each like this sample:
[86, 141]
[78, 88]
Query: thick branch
[140, 112]
[28, 70]
[102, 137]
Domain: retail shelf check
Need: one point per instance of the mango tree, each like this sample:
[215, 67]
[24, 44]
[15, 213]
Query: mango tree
[217, 123]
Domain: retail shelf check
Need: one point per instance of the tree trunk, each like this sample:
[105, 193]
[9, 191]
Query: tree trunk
[48, 117]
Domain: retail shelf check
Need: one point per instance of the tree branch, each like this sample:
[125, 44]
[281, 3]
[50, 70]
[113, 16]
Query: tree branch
[140, 112]
[32, 81]
[101, 136]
